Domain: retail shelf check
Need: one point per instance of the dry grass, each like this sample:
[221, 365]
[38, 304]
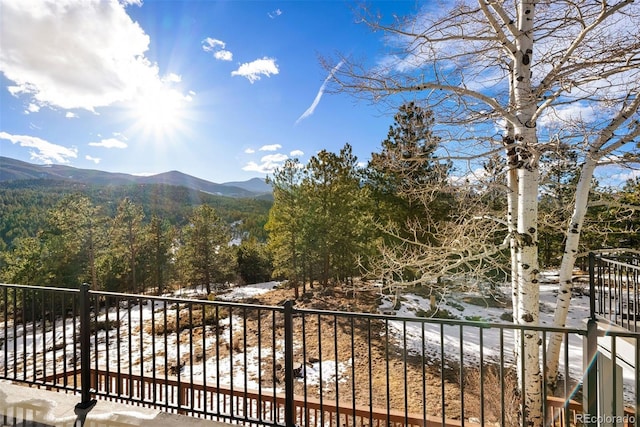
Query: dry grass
[188, 319]
[499, 396]
[104, 325]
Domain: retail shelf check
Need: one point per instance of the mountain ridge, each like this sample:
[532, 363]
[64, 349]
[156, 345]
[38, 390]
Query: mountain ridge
[13, 170]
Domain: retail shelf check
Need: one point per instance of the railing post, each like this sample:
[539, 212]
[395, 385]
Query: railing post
[289, 409]
[592, 372]
[592, 286]
[592, 348]
[85, 350]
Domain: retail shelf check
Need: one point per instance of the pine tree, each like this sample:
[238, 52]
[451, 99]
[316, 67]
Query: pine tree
[127, 232]
[285, 223]
[205, 255]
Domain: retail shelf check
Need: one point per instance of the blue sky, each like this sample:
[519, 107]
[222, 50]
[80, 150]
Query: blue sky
[222, 90]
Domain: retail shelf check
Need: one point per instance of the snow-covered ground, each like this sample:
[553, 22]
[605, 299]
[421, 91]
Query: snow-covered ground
[234, 293]
[457, 304]
[492, 351]
[462, 310]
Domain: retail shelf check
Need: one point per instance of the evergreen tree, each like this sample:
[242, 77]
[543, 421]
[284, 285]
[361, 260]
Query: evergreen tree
[254, 263]
[317, 223]
[157, 246]
[558, 186]
[205, 255]
[407, 179]
[338, 206]
[128, 238]
[285, 222]
[22, 265]
[75, 237]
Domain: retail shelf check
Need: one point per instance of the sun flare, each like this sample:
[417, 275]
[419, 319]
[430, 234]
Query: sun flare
[160, 113]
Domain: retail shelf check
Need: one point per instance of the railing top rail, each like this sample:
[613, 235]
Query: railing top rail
[626, 252]
[41, 288]
[447, 322]
[615, 260]
[180, 300]
[619, 334]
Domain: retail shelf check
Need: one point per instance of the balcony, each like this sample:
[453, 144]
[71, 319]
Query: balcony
[286, 366]
[616, 296]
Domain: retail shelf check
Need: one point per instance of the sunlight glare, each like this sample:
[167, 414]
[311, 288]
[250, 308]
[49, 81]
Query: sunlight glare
[160, 113]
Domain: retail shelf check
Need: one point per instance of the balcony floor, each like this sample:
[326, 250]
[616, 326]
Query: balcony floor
[25, 406]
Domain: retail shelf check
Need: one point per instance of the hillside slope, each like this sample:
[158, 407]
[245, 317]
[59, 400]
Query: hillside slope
[13, 170]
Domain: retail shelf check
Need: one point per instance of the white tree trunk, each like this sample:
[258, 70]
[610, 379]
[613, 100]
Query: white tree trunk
[528, 352]
[512, 224]
[574, 229]
[511, 155]
[566, 267]
[512, 214]
[526, 236]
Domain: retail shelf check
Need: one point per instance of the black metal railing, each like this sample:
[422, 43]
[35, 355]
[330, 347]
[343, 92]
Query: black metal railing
[40, 335]
[267, 365]
[616, 289]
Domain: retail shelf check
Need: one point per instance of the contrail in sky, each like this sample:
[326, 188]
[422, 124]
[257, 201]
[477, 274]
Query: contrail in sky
[316, 101]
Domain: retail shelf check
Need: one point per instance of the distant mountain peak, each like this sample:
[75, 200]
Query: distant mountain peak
[257, 185]
[12, 170]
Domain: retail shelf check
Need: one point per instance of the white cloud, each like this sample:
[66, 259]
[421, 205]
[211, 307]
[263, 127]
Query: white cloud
[249, 151]
[95, 160]
[254, 70]
[109, 143]
[274, 14]
[274, 158]
[210, 44]
[253, 167]
[13, 90]
[625, 176]
[271, 147]
[42, 151]
[32, 108]
[189, 96]
[316, 101]
[296, 153]
[95, 59]
[475, 176]
[268, 163]
[223, 55]
[217, 47]
[70, 115]
[613, 174]
[560, 116]
[172, 78]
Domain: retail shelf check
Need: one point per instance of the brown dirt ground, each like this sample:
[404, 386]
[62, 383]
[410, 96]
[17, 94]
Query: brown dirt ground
[378, 370]
[373, 357]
